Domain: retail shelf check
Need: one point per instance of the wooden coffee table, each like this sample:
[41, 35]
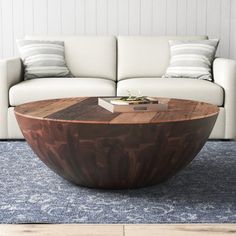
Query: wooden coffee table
[92, 147]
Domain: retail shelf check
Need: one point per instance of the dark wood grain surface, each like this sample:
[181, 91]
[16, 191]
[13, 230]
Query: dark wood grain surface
[86, 110]
[92, 147]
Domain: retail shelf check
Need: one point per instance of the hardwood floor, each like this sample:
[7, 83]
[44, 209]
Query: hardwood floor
[119, 230]
[180, 230]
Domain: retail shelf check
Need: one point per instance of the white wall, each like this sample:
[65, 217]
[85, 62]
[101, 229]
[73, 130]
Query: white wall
[216, 18]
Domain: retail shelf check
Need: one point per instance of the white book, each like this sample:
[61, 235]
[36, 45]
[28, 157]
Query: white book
[113, 104]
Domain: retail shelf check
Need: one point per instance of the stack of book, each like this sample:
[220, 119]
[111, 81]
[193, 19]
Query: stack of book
[132, 104]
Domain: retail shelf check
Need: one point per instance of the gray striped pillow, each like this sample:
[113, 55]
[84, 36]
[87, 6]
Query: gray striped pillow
[191, 59]
[43, 58]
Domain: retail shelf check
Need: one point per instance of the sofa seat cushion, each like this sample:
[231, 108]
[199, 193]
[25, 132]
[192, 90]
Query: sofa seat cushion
[50, 88]
[182, 88]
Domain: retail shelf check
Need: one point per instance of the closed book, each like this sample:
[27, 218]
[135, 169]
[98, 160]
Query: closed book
[151, 106]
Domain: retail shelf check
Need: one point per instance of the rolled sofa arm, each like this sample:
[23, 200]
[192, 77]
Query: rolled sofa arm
[224, 73]
[10, 74]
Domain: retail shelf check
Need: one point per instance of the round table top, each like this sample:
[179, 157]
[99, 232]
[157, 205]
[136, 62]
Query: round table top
[87, 110]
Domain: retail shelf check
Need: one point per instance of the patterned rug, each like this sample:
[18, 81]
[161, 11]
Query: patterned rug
[205, 191]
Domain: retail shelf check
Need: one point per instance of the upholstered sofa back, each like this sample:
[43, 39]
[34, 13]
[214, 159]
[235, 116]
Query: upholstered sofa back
[145, 56]
[88, 56]
[116, 58]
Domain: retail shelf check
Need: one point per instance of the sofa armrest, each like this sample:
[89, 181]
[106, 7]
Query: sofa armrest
[224, 73]
[10, 74]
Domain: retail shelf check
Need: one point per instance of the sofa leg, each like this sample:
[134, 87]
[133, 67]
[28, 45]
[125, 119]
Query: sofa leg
[220, 140]
[12, 140]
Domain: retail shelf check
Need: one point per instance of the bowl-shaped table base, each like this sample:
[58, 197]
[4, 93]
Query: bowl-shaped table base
[116, 156]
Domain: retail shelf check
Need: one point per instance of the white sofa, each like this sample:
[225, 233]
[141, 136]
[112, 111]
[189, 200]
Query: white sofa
[109, 66]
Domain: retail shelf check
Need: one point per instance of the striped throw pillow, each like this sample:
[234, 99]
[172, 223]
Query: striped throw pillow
[43, 58]
[191, 59]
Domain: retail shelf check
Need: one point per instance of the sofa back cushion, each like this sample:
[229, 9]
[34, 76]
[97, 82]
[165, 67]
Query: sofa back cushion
[141, 56]
[88, 56]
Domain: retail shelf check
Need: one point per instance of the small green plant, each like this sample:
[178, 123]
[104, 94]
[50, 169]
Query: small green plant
[133, 98]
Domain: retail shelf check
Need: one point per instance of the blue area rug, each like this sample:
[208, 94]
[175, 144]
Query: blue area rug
[205, 191]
